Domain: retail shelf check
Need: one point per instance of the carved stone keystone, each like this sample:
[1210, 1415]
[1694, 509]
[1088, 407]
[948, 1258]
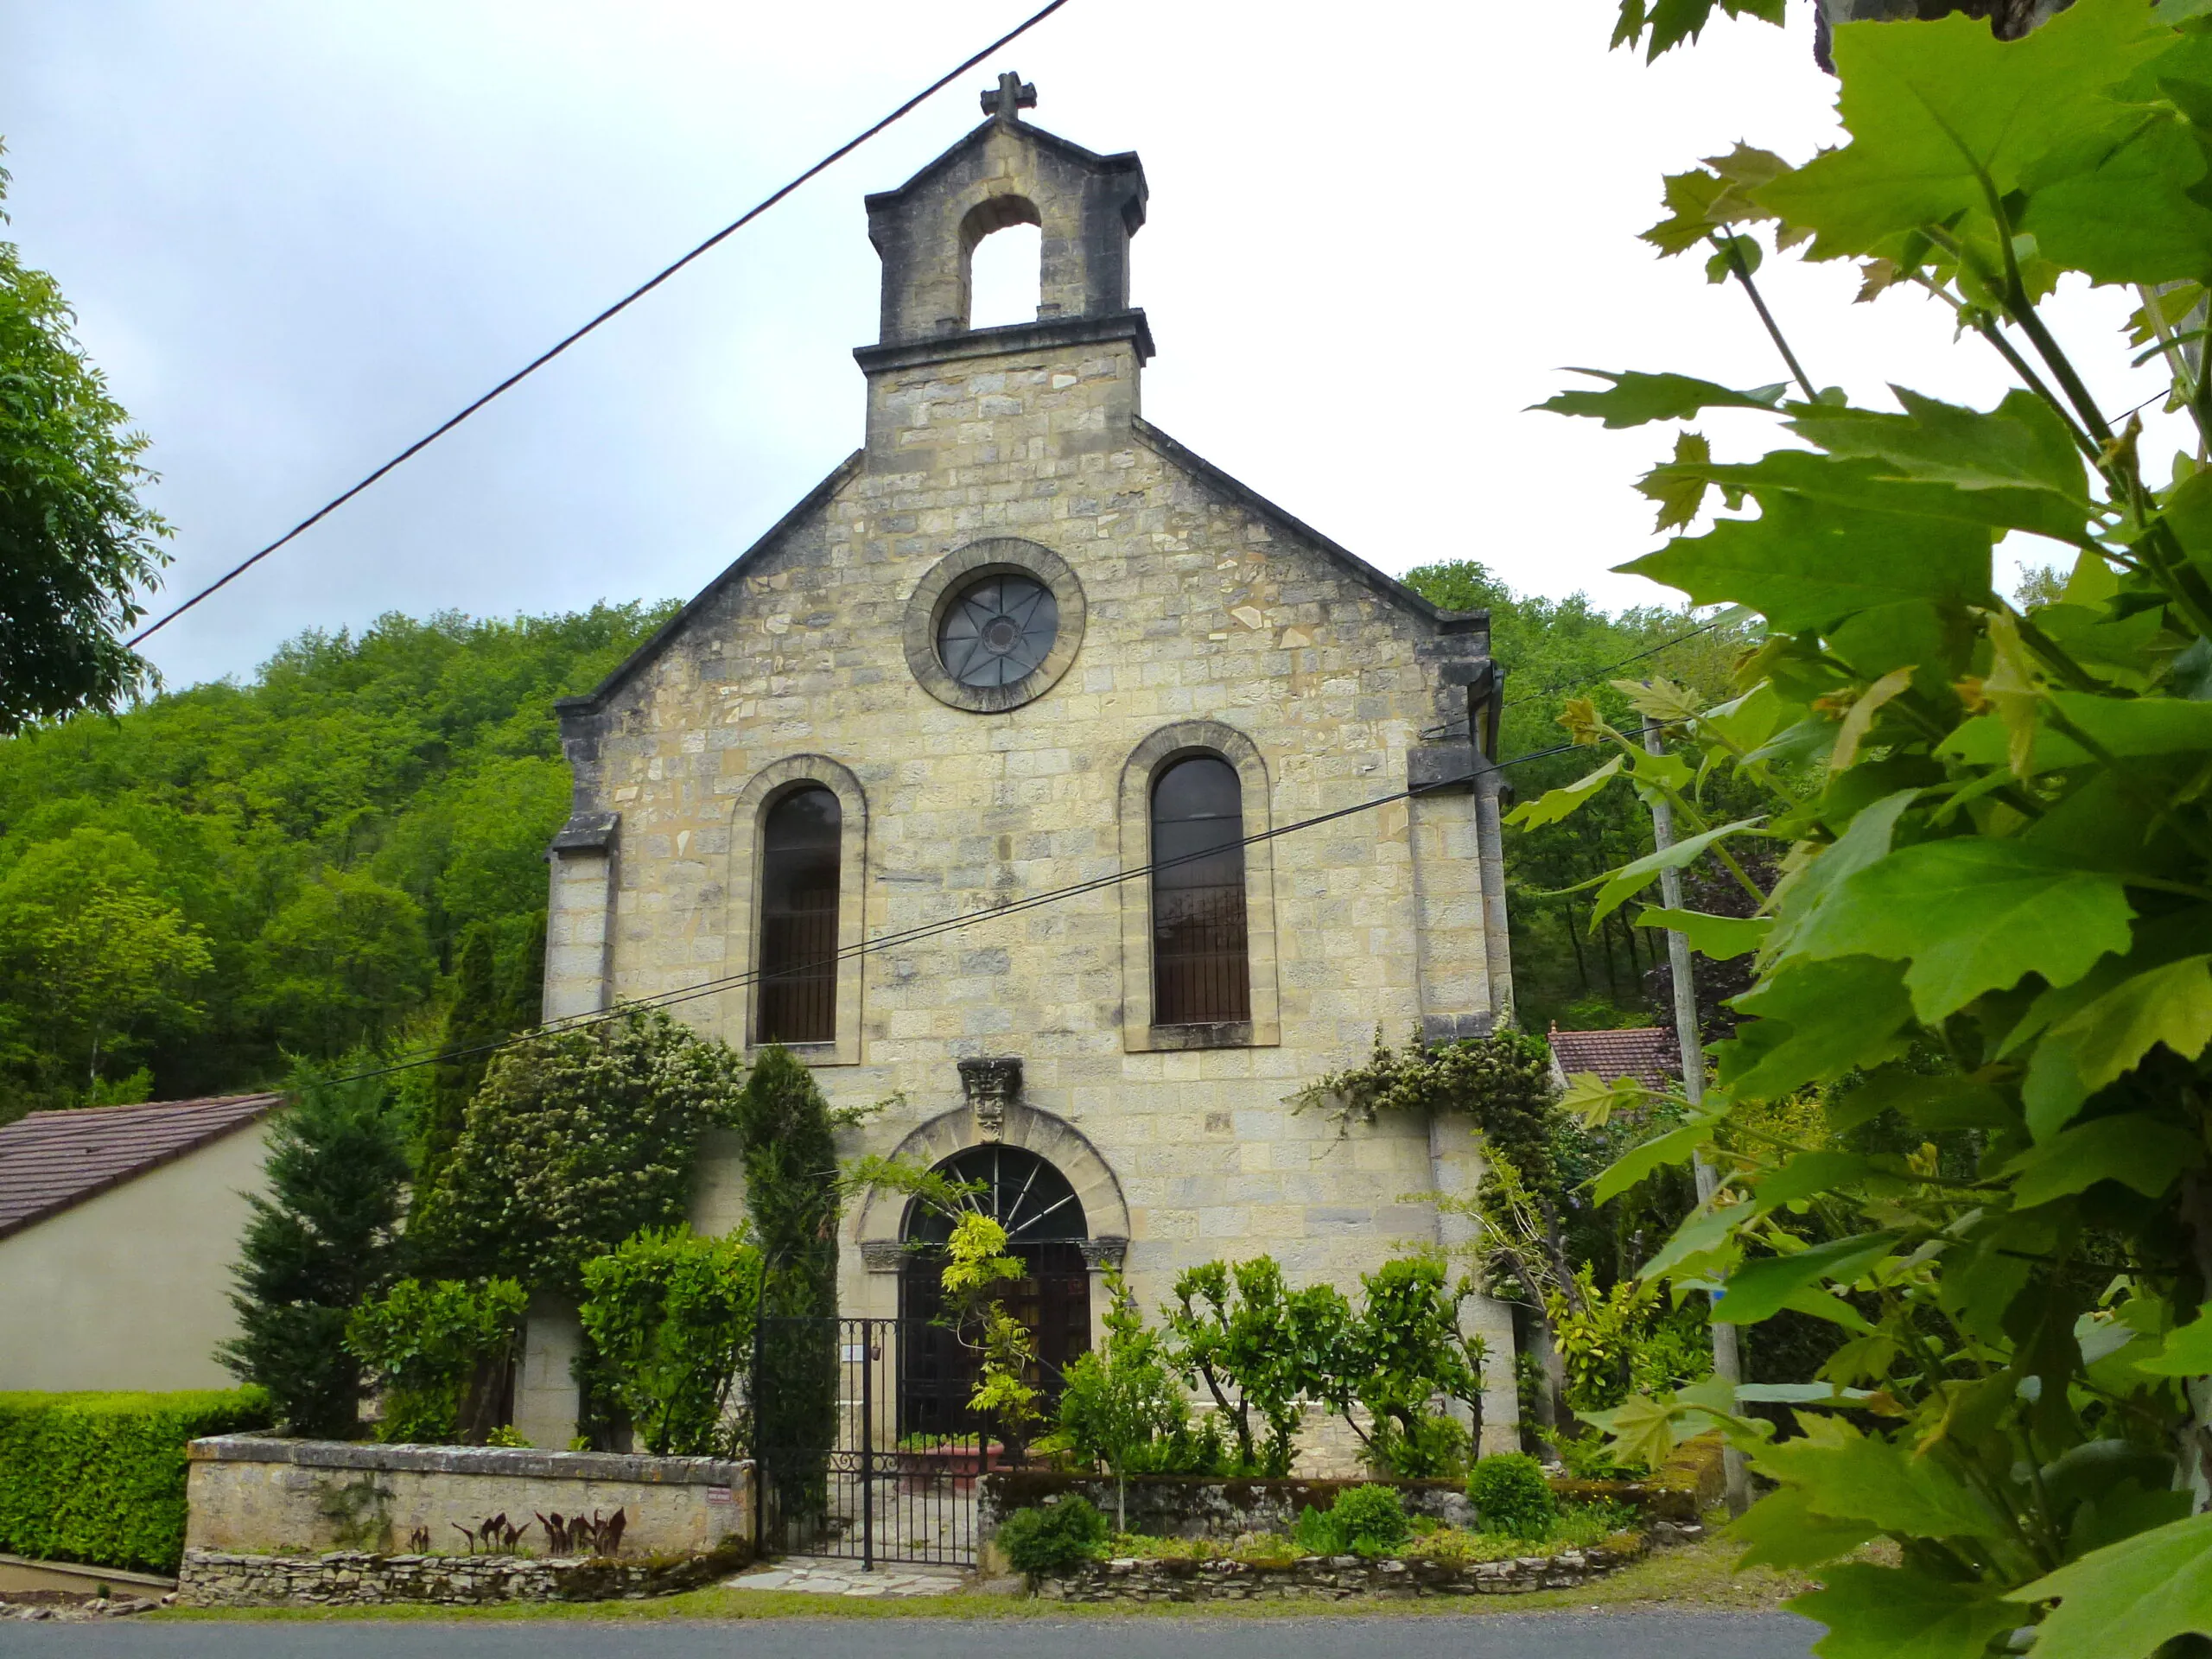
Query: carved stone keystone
[989, 1084]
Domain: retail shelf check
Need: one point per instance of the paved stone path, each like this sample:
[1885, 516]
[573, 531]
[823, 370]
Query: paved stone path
[819, 1576]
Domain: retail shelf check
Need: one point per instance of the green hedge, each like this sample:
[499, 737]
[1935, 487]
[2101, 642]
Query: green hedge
[99, 1478]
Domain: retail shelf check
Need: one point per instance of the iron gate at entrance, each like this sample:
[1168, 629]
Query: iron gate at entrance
[884, 1467]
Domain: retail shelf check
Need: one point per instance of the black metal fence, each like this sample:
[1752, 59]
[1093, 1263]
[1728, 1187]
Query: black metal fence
[881, 1462]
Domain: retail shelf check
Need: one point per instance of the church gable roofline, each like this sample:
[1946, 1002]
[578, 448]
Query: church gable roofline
[1126, 161]
[1452, 624]
[595, 700]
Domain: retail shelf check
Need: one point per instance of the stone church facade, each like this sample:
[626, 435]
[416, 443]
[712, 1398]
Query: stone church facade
[1023, 642]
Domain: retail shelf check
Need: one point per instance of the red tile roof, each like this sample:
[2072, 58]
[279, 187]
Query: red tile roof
[50, 1161]
[1644, 1052]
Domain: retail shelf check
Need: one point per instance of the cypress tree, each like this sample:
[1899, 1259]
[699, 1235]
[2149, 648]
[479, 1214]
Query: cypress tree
[320, 1240]
[790, 1154]
[473, 1022]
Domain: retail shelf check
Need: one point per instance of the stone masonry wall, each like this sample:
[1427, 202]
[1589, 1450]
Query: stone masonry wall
[265, 1497]
[1334, 1578]
[1201, 604]
[355, 1578]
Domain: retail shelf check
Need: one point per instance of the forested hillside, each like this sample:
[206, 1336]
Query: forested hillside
[1552, 650]
[226, 874]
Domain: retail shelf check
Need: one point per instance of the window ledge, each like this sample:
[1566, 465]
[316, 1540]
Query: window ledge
[830, 1054]
[1233, 1033]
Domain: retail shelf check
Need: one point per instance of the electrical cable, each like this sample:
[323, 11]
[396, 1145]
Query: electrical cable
[612, 311]
[924, 930]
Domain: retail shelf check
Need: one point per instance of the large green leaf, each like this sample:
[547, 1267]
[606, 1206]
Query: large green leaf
[1636, 399]
[1781, 1530]
[1630, 880]
[1858, 1477]
[1937, 110]
[1876, 486]
[2021, 444]
[1702, 1232]
[2187, 1351]
[1762, 1288]
[2089, 1048]
[1718, 937]
[2133, 215]
[1971, 915]
[1804, 565]
[1812, 1022]
[1675, 1146]
[2137, 1150]
[2123, 1601]
[1888, 1612]
[1556, 803]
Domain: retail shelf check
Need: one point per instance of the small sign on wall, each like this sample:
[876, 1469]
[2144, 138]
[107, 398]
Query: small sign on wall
[720, 1495]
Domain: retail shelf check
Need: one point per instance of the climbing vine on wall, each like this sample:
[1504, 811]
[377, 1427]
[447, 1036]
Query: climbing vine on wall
[1503, 1082]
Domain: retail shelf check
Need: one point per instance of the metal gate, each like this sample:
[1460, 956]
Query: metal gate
[864, 1446]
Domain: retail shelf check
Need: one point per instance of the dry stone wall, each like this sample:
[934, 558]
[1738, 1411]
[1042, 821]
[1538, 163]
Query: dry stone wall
[356, 1578]
[1334, 1578]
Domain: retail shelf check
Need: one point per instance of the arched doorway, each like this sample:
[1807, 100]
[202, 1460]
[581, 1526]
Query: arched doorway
[1045, 1228]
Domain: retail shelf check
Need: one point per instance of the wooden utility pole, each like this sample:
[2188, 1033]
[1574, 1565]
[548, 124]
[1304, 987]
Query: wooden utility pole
[1727, 1355]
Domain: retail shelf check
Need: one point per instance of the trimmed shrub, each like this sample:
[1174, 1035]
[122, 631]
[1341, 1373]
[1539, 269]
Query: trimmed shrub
[439, 1351]
[99, 1478]
[1364, 1521]
[1054, 1537]
[1512, 1495]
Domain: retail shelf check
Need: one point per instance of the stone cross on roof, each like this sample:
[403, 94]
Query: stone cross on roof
[1010, 97]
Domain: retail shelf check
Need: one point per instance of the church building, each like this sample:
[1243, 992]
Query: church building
[1025, 663]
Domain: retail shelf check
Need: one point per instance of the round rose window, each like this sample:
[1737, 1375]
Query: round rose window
[998, 630]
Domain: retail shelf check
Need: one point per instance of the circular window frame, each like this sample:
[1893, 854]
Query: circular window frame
[934, 593]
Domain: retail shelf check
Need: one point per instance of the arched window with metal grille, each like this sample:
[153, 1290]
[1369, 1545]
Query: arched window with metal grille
[1201, 967]
[799, 837]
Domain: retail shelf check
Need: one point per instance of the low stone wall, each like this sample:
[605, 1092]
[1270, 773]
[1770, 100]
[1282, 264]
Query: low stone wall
[348, 1578]
[1337, 1578]
[1181, 1506]
[261, 1496]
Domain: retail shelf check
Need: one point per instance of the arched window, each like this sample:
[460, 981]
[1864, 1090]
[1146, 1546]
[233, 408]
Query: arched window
[1201, 974]
[799, 918]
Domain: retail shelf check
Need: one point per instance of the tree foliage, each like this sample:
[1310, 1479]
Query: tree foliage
[1258, 1347]
[578, 1139]
[76, 544]
[1563, 969]
[1988, 927]
[322, 1240]
[672, 1314]
[1120, 1405]
[333, 831]
[793, 1196]
[439, 1353]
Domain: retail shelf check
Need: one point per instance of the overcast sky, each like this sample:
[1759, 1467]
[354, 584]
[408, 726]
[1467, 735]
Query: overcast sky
[297, 235]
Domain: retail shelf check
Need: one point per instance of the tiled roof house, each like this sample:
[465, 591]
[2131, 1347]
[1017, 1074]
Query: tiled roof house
[1644, 1052]
[118, 1225]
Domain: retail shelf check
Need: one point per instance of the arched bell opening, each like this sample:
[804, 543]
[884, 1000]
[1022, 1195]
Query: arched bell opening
[1046, 1230]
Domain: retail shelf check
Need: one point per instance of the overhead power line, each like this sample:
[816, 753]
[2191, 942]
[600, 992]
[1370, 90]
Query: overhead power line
[927, 930]
[612, 311]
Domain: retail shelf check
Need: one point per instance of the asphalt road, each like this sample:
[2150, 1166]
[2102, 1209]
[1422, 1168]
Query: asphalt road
[1624, 1636]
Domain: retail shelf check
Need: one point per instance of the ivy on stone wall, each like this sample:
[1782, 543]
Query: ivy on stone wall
[1502, 1081]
